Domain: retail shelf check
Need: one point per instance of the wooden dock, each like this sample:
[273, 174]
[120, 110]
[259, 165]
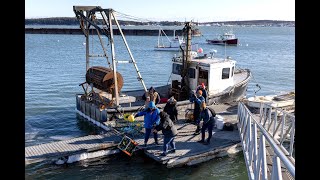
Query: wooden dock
[81, 146]
[188, 150]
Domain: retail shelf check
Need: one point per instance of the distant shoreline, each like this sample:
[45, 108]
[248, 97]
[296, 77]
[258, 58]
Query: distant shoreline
[74, 21]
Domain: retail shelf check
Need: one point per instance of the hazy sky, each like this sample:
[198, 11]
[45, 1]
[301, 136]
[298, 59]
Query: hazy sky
[172, 10]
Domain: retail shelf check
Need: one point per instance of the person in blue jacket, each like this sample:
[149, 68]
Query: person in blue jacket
[208, 122]
[197, 99]
[151, 119]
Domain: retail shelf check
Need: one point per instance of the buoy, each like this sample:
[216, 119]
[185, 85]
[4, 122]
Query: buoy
[131, 118]
[200, 50]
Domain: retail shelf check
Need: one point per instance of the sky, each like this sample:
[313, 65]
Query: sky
[172, 10]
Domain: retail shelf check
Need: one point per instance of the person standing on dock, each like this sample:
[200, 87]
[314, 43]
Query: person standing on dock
[202, 87]
[169, 132]
[208, 121]
[197, 99]
[171, 109]
[153, 94]
[151, 118]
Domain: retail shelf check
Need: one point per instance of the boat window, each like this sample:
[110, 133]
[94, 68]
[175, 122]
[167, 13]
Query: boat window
[232, 71]
[176, 69]
[225, 73]
[192, 73]
[203, 74]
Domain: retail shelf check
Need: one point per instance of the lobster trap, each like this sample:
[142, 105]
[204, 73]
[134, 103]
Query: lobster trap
[127, 145]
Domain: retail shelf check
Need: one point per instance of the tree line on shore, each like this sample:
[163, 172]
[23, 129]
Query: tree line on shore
[74, 21]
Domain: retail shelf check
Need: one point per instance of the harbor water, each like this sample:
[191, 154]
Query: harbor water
[55, 66]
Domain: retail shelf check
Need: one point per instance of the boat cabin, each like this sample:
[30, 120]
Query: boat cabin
[216, 73]
[226, 36]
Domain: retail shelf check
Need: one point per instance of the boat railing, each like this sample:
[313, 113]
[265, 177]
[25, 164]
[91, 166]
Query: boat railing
[257, 142]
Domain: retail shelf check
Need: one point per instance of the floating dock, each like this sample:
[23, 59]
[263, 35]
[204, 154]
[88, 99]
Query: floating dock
[188, 150]
[73, 150]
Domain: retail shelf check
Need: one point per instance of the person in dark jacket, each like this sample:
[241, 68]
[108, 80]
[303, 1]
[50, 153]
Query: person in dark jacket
[208, 121]
[197, 99]
[171, 109]
[151, 118]
[169, 132]
[153, 94]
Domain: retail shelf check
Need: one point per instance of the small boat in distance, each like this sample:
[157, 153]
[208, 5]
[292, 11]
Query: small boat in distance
[227, 38]
[174, 43]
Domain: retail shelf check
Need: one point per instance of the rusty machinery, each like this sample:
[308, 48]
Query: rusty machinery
[101, 78]
[105, 79]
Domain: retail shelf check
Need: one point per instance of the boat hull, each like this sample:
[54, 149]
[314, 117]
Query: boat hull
[167, 48]
[194, 47]
[223, 42]
[271, 100]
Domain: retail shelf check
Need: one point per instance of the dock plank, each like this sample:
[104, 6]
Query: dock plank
[71, 146]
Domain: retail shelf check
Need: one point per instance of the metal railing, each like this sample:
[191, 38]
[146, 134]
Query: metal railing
[255, 136]
[269, 120]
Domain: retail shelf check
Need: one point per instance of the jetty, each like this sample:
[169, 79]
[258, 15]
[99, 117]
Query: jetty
[77, 31]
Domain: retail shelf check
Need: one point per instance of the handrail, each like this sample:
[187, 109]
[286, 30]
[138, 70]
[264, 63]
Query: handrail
[287, 121]
[254, 153]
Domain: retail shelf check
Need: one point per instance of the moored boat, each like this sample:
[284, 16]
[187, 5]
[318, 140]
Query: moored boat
[225, 39]
[103, 98]
[173, 44]
[277, 101]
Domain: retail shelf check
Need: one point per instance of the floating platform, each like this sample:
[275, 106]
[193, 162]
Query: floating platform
[188, 150]
[72, 150]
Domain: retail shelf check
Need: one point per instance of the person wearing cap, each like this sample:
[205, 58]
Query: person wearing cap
[169, 132]
[151, 119]
[197, 99]
[171, 109]
[202, 87]
[153, 94]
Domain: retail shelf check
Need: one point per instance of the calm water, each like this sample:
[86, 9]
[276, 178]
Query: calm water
[55, 66]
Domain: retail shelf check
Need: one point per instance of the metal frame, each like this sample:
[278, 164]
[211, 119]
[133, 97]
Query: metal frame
[108, 17]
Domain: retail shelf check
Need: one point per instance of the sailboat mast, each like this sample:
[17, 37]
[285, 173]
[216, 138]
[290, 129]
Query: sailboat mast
[159, 37]
[87, 42]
